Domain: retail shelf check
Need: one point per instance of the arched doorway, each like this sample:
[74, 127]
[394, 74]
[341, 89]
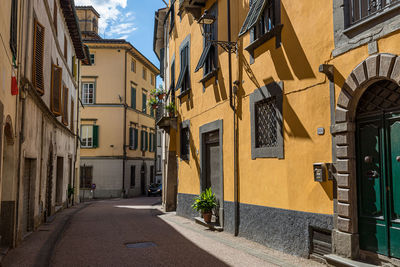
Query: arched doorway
[378, 168]
[367, 174]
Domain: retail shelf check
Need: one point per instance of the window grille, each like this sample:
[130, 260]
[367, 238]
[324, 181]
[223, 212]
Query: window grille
[359, 10]
[266, 123]
[185, 143]
[86, 176]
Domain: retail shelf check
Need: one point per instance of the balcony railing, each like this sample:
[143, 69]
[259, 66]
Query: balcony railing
[362, 9]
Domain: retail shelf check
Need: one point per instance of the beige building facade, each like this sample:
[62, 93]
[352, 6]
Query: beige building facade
[40, 115]
[118, 137]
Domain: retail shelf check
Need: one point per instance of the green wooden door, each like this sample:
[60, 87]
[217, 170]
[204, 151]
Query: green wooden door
[379, 184]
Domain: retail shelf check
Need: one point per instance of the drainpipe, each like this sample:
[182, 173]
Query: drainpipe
[77, 131]
[125, 111]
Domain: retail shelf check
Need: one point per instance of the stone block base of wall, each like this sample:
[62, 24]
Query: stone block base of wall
[285, 230]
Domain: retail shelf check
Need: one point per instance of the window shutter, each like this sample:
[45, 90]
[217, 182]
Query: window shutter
[154, 142]
[95, 136]
[133, 97]
[13, 28]
[144, 103]
[253, 16]
[203, 57]
[131, 138]
[136, 138]
[74, 67]
[142, 140]
[72, 114]
[65, 106]
[151, 142]
[37, 63]
[56, 79]
[146, 138]
[65, 47]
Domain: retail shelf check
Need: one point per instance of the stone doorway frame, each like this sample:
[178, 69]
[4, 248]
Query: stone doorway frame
[381, 66]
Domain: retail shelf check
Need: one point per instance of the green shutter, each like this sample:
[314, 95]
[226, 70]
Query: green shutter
[144, 103]
[136, 139]
[154, 142]
[142, 140]
[146, 137]
[133, 97]
[130, 137]
[151, 142]
[95, 136]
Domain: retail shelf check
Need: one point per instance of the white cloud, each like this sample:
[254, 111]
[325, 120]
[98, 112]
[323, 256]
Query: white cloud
[113, 21]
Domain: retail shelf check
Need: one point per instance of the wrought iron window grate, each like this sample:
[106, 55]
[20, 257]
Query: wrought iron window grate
[361, 9]
[266, 123]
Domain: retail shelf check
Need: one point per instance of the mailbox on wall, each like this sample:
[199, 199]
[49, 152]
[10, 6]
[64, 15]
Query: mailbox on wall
[319, 172]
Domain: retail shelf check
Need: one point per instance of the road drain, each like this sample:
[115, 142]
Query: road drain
[140, 245]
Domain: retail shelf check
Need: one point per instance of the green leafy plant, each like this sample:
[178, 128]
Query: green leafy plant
[205, 202]
[153, 102]
[153, 92]
[70, 191]
[170, 108]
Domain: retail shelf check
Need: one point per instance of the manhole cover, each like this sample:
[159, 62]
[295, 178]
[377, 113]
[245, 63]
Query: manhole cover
[140, 245]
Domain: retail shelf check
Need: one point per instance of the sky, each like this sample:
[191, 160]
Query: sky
[132, 20]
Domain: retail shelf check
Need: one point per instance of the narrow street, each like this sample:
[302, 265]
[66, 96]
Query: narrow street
[99, 233]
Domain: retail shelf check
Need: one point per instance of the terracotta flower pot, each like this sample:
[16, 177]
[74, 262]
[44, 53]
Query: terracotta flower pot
[154, 106]
[161, 96]
[207, 216]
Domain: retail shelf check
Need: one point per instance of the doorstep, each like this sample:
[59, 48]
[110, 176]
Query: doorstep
[335, 260]
[212, 225]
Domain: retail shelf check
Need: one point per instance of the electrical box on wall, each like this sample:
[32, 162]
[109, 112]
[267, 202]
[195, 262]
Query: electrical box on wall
[319, 172]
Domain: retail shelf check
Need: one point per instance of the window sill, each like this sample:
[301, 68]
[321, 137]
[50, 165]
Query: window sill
[186, 92]
[275, 32]
[209, 75]
[371, 18]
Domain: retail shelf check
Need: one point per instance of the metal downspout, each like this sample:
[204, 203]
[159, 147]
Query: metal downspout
[124, 146]
[77, 133]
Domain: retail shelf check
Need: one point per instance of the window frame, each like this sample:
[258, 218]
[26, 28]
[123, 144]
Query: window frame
[93, 94]
[184, 78]
[92, 58]
[274, 89]
[83, 143]
[133, 65]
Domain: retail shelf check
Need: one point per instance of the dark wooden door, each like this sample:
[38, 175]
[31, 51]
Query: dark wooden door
[378, 140]
[213, 165]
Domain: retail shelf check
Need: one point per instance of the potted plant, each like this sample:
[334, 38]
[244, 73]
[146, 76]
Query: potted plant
[153, 102]
[170, 107]
[205, 203]
[153, 92]
[160, 93]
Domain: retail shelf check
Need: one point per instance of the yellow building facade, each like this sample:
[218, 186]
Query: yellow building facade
[280, 140]
[117, 127]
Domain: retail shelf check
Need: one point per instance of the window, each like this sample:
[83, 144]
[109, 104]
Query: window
[13, 28]
[266, 121]
[185, 140]
[65, 106]
[152, 79]
[144, 100]
[133, 176]
[184, 75]
[88, 93]
[91, 59]
[37, 62]
[209, 57]
[359, 10]
[55, 16]
[90, 136]
[152, 142]
[65, 47]
[86, 177]
[55, 94]
[144, 73]
[144, 140]
[133, 97]
[264, 22]
[133, 65]
[133, 138]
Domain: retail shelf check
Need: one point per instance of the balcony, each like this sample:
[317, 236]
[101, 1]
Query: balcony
[164, 120]
[191, 6]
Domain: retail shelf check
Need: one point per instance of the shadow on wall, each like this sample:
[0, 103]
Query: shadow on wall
[296, 128]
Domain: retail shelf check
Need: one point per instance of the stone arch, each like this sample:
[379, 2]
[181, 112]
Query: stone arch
[377, 67]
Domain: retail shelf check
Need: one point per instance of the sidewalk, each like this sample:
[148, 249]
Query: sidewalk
[37, 248]
[230, 249]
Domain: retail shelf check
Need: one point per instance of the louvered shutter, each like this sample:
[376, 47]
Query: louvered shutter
[56, 79]
[65, 106]
[13, 28]
[95, 136]
[136, 137]
[203, 57]
[142, 140]
[146, 139]
[37, 63]
[72, 114]
[151, 142]
[55, 17]
[253, 16]
[131, 132]
[133, 97]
